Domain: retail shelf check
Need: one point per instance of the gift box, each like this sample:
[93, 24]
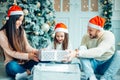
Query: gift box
[52, 55]
[48, 71]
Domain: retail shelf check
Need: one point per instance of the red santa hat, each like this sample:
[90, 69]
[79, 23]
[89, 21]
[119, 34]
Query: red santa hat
[15, 10]
[97, 22]
[60, 27]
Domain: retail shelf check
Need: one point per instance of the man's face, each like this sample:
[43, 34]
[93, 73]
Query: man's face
[93, 33]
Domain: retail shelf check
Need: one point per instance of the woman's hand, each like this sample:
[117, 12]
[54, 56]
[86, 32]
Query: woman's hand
[33, 56]
[36, 51]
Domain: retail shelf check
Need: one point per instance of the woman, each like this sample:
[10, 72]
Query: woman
[20, 57]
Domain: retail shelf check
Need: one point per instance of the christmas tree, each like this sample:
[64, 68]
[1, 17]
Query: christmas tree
[107, 12]
[39, 21]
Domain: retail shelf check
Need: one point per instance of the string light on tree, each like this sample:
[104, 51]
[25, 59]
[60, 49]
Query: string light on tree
[105, 12]
[53, 35]
[36, 33]
[25, 12]
[38, 14]
[105, 2]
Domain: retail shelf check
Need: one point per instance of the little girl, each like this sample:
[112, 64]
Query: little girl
[61, 39]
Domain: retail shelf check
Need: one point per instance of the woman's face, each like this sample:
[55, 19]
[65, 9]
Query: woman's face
[60, 36]
[19, 22]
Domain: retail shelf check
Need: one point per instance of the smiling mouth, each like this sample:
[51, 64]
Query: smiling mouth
[60, 41]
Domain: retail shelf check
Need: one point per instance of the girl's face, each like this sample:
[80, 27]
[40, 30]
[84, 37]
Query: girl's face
[60, 36]
[19, 22]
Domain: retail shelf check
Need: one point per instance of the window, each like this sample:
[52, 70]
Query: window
[66, 5]
[86, 5]
[89, 5]
[61, 5]
[94, 5]
[57, 5]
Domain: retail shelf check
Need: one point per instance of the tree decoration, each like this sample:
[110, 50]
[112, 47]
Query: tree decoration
[25, 12]
[106, 12]
[38, 4]
[45, 27]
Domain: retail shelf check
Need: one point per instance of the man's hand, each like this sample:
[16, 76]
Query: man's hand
[70, 56]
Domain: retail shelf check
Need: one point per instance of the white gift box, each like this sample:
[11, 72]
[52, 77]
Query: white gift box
[52, 55]
[48, 71]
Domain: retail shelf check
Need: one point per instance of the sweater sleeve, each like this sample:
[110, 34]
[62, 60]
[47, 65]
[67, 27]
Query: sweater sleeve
[106, 43]
[6, 47]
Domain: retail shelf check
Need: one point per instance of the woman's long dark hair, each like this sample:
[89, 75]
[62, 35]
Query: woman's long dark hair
[15, 36]
[65, 42]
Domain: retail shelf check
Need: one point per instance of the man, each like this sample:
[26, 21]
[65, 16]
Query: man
[97, 49]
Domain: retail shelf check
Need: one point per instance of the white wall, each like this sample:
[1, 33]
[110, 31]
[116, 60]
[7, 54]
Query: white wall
[116, 22]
